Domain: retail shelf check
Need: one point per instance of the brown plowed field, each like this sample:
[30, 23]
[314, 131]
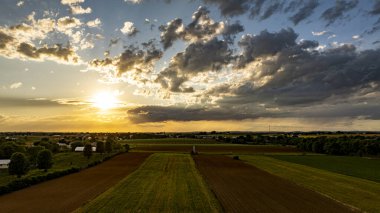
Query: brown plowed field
[244, 188]
[67, 193]
[240, 149]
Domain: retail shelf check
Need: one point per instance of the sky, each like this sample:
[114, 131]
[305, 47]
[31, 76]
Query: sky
[189, 65]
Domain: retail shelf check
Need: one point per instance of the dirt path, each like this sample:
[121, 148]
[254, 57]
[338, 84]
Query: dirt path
[70, 192]
[244, 188]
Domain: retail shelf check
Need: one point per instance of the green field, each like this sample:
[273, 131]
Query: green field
[61, 161]
[164, 183]
[367, 168]
[170, 141]
[360, 193]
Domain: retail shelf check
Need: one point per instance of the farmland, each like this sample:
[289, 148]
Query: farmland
[218, 148]
[244, 188]
[360, 193]
[164, 183]
[67, 193]
[366, 168]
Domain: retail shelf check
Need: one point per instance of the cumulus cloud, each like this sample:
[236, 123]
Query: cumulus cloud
[15, 85]
[129, 29]
[4, 39]
[198, 57]
[64, 54]
[202, 28]
[94, 23]
[338, 10]
[304, 12]
[133, 59]
[75, 6]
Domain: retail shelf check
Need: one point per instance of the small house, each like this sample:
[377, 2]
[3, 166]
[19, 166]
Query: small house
[81, 148]
[4, 163]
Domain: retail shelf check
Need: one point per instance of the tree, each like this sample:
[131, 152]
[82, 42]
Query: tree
[100, 147]
[108, 146]
[126, 147]
[75, 145]
[45, 159]
[32, 153]
[18, 165]
[87, 151]
[8, 148]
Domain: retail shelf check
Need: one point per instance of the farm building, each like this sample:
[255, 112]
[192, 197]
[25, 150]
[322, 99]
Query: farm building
[81, 148]
[4, 163]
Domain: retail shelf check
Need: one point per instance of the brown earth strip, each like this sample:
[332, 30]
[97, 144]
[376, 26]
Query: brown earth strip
[248, 149]
[67, 193]
[244, 188]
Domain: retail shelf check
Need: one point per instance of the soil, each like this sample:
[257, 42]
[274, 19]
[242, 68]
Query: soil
[68, 193]
[244, 188]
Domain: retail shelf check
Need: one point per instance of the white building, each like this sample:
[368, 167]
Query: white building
[81, 148]
[4, 163]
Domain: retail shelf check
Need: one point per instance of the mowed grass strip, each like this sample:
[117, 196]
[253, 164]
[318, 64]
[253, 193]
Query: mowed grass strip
[357, 192]
[164, 183]
[367, 168]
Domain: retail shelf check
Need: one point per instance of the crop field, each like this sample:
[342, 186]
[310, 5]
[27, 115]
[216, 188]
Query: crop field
[164, 183]
[243, 188]
[358, 192]
[218, 149]
[367, 168]
[68, 193]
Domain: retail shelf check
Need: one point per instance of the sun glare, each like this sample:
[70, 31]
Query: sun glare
[105, 100]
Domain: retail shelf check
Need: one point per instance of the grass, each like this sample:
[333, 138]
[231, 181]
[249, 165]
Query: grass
[357, 192]
[164, 183]
[367, 168]
[61, 161]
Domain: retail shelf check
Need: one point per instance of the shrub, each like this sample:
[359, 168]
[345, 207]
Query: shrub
[18, 165]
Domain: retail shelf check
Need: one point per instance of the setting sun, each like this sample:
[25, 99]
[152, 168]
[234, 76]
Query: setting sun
[105, 100]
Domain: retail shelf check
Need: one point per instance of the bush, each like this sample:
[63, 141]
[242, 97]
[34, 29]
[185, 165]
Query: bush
[100, 147]
[108, 146]
[126, 147]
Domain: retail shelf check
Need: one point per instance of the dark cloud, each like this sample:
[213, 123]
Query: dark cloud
[256, 8]
[197, 57]
[202, 27]
[265, 43]
[275, 7]
[4, 39]
[376, 8]
[338, 10]
[304, 12]
[231, 7]
[132, 59]
[230, 31]
[63, 53]
[146, 114]
[293, 5]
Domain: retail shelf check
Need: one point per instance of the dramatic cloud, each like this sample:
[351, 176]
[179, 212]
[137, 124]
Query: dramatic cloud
[265, 43]
[272, 9]
[256, 8]
[202, 28]
[304, 12]
[198, 57]
[65, 54]
[338, 10]
[132, 59]
[129, 29]
[174, 113]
